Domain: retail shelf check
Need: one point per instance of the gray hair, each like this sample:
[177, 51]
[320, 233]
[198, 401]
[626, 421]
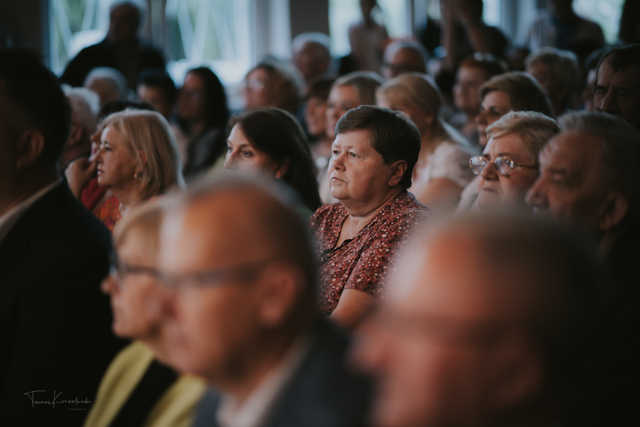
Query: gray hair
[85, 106]
[365, 82]
[303, 39]
[619, 142]
[563, 64]
[535, 129]
[411, 45]
[117, 79]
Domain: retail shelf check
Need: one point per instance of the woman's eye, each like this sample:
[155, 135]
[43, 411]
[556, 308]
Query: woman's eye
[352, 154]
[246, 153]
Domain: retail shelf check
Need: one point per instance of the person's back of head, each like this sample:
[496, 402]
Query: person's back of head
[403, 56]
[109, 83]
[312, 54]
[125, 18]
[32, 99]
[556, 71]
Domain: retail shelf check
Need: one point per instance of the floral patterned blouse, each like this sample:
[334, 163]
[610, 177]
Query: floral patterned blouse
[362, 262]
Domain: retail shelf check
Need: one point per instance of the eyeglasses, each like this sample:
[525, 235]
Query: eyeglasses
[244, 272]
[119, 270]
[504, 165]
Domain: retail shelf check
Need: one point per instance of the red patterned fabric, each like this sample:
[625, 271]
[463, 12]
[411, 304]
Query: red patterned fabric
[92, 193]
[109, 212]
[362, 262]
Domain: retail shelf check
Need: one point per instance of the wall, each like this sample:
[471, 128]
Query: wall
[25, 23]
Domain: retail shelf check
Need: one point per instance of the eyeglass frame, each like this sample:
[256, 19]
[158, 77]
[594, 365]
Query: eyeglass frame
[513, 164]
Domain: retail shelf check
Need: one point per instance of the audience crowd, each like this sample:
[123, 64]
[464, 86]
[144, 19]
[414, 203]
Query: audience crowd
[325, 256]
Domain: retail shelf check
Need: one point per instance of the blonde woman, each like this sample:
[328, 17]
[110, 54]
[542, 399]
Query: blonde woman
[136, 388]
[138, 157]
[442, 169]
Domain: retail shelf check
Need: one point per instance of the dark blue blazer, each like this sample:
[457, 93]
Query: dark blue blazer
[323, 392]
[55, 323]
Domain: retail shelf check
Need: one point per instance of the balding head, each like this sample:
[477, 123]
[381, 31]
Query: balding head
[243, 264]
[404, 56]
[486, 323]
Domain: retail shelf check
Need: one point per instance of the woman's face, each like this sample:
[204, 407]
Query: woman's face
[511, 186]
[495, 104]
[241, 154]
[136, 297]
[466, 91]
[256, 90]
[316, 116]
[357, 172]
[341, 99]
[116, 164]
[191, 100]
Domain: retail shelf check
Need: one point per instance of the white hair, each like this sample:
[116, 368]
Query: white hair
[413, 45]
[317, 38]
[85, 105]
[111, 74]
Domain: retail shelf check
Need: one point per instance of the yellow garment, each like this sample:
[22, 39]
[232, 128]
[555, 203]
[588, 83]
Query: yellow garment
[175, 408]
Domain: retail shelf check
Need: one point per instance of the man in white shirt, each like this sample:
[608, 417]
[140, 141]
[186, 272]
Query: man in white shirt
[245, 319]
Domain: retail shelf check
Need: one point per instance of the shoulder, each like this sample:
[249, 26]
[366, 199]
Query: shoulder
[177, 406]
[326, 214]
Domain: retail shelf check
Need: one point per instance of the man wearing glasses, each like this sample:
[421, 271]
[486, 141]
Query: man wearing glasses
[244, 316]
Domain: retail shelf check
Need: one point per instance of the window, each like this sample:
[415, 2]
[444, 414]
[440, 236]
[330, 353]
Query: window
[606, 13]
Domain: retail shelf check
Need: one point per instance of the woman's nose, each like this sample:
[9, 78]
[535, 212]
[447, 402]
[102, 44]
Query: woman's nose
[489, 172]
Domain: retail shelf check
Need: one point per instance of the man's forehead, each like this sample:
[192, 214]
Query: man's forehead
[572, 149]
[620, 75]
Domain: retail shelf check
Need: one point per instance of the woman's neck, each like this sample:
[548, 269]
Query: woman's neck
[366, 211]
[127, 196]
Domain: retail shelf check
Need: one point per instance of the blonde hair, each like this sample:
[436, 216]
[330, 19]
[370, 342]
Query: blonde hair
[150, 139]
[535, 129]
[145, 217]
[419, 90]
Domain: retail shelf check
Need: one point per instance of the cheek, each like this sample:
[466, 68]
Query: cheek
[517, 185]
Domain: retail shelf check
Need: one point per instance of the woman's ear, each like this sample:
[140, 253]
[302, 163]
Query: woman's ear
[398, 170]
[29, 148]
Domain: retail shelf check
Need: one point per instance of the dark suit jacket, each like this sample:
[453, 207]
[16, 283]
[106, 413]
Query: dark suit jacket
[103, 55]
[55, 324]
[323, 391]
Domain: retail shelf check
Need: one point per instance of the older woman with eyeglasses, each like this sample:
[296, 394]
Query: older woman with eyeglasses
[509, 166]
[137, 388]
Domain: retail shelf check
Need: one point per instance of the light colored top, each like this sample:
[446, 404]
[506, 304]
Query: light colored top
[176, 407]
[469, 195]
[253, 411]
[9, 219]
[449, 161]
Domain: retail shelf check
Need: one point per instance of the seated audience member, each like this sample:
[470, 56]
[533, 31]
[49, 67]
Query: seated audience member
[202, 113]
[121, 49]
[270, 141]
[137, 389]
[108, 83]
[490, 321]
[349, 91]
[85, 105]
[442, 169]
[242, 263]
[270, 85]
[617, 87]
[315, 116]
[156, 88]
[559, 26]
[557, 71]
[81, 174]
[509, 164]
[137, 158]
[54, 323]
[471, 75]
[312, 56]
[372, 161]
[404, 56]
[589, 175]
[514, 91]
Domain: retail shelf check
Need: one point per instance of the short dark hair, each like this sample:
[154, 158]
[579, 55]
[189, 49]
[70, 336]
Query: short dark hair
[394, 136]
[621, 57]
[158, 78]
[491, 65]
[34, 93]
[278, 134]
[320, 88]
[365, 82]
